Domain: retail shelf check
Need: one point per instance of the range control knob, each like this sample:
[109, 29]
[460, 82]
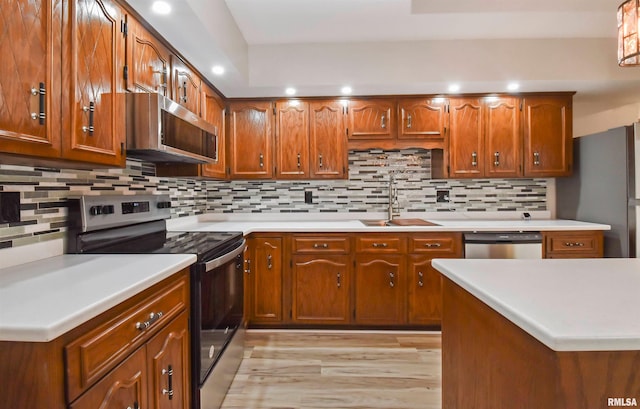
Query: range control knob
[109, 209]
[164, 205]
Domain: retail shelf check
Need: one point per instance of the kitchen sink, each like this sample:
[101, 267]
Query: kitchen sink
[398, 222]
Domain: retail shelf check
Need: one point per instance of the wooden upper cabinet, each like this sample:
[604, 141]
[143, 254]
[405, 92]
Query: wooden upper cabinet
[466, 143]
[372, 119]
[423, 118]
[213, 111]
[30, 77]
[503, 140]
[328, 141]
[94, 130]
[185, 85]
[251, 140]
[147, 62]
[292, 139]
[548, 136]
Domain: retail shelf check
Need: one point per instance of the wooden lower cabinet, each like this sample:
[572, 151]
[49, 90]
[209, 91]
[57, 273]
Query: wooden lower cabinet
[264, 279]
[573, 244]
[380, 284]
[108, 362]
[321, 289]
[124, 387]
[424, 291]
[168, 359]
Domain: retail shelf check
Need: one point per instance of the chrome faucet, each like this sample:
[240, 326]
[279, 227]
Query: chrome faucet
[393, 199]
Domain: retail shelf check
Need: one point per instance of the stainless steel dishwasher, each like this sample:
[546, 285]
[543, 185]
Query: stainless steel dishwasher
[503, 245]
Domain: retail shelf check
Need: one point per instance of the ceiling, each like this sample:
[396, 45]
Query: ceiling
[400, 46]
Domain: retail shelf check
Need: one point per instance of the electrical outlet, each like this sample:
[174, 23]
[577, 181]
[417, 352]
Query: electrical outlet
[308, 197]
[442, 196]
[9, 207]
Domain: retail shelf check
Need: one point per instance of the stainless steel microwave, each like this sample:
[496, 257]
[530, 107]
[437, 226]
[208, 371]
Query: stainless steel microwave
[161, 130]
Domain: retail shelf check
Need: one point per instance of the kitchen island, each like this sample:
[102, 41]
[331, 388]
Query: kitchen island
[540, 333]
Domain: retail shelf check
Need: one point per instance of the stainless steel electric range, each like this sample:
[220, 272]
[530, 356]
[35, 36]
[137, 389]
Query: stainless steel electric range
[136, 225]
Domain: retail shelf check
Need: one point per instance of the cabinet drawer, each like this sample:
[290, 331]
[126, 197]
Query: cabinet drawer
[321, 245]
[92, 355]
[575, 242]
[435, 244]
[380, 244]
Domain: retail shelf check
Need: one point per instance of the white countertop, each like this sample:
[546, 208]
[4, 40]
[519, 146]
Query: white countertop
[277, 223]
[567, 304]
[42, 300]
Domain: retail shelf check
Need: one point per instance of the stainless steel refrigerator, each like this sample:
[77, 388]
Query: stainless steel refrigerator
[604, 187]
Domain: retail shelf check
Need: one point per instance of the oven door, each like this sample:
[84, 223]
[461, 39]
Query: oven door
[217, 309]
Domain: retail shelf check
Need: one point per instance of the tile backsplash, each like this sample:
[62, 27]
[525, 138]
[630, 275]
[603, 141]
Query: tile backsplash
[44, 191]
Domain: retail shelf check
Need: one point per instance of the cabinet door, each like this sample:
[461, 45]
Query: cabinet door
[503, 141]
[466, 142]
[372, 119]
[379, 289]
[29, 91]
[147, 61]
[93, 75]
[185, 85]
[266, 280]
[169, 369]
[328, 141]
[292, 139]
[321, 289]
[425, 292]
[250, 140]
[124, 387]
[213, 111]
[424, 119]
[548, 136]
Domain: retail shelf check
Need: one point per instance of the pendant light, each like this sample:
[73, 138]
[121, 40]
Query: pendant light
[628, 41]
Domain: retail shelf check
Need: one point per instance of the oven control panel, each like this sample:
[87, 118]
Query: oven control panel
[100, 212]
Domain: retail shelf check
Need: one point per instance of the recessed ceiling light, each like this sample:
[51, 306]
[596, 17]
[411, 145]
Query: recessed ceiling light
[218, 69]
[454, 87]
[513, 86]
[290, 91]
[346, 90]
[161, 7]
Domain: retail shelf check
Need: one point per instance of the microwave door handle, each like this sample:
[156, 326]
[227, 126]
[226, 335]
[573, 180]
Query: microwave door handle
[217, 262]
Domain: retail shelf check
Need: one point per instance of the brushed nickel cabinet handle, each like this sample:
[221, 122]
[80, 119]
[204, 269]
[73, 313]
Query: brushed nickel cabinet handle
[269, 263]
[320, 245]
[391, 277]
[153, 317]
[299, 164]
[338, 278]
[382, 122]
[409, 121]
[169, 390]
[536, 158]
[320, 160]
[383, 245]
[433, 245]
[474, 159]
[91, 109]
[261, 160]
[497, 159]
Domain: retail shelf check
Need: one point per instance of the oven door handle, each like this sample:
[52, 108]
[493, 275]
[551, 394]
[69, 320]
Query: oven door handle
[217, 262]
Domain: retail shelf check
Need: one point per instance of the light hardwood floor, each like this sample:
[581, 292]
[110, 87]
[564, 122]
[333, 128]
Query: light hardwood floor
[350, 369]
